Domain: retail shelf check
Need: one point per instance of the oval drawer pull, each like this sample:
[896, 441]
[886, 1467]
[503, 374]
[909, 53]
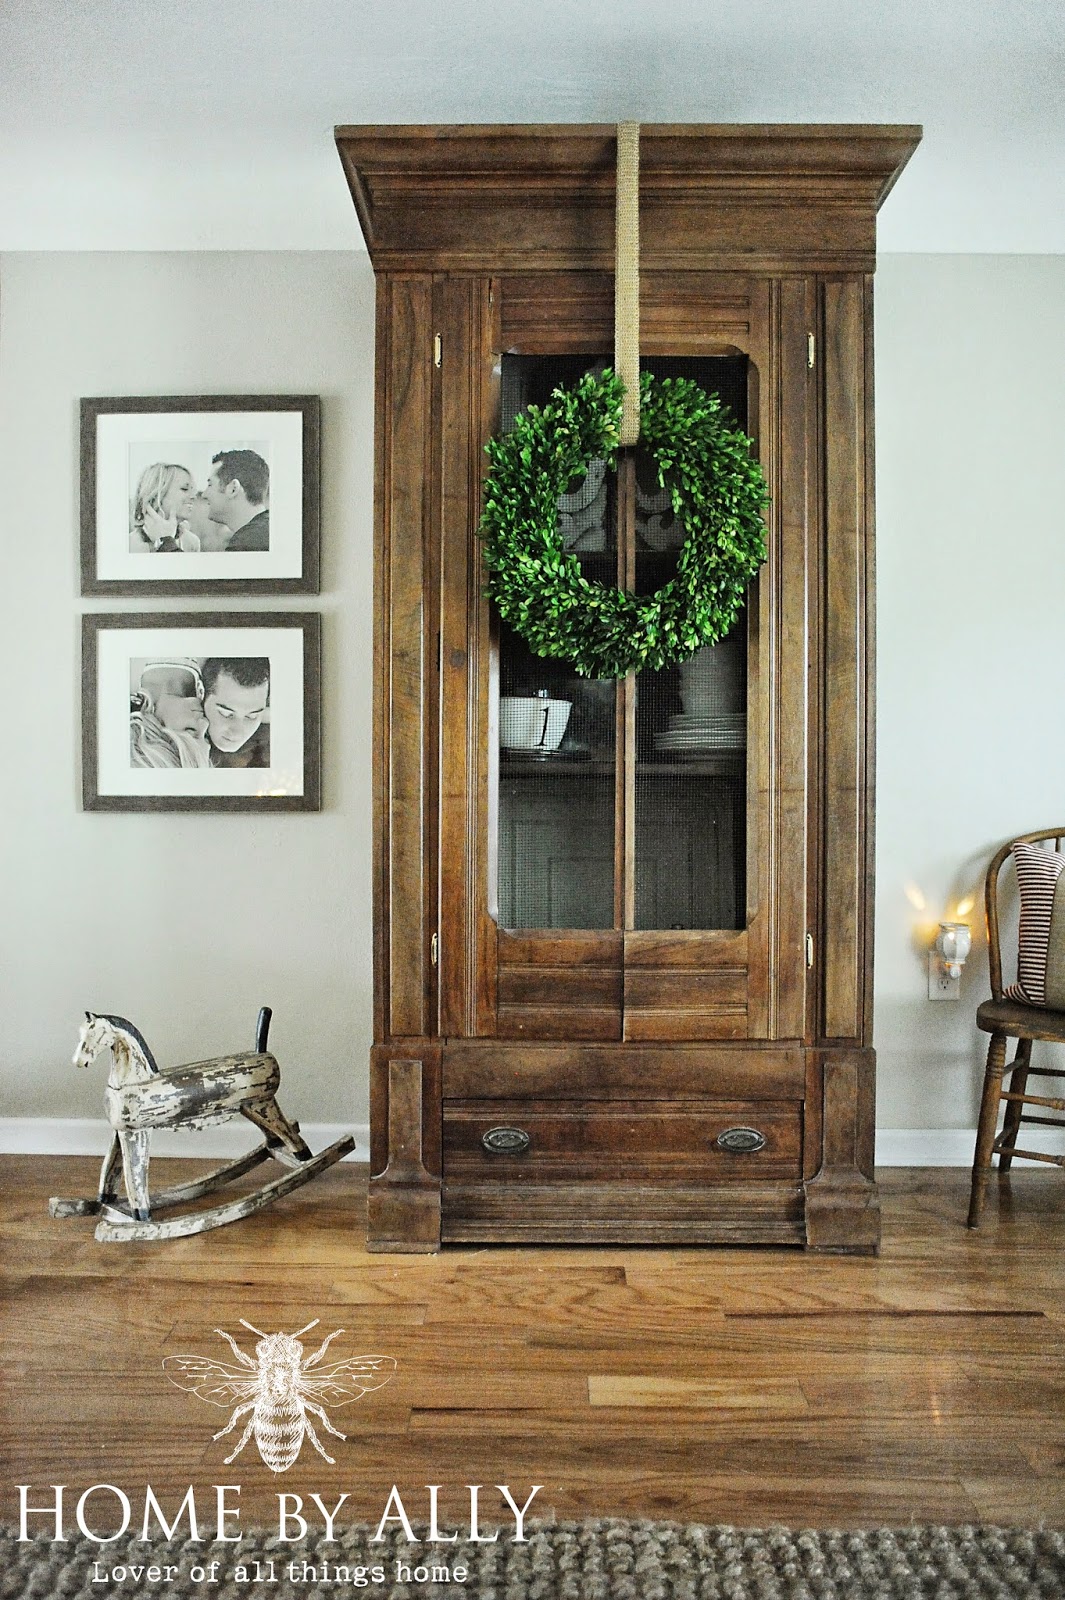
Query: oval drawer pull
[506, 1141]
[741, 1141]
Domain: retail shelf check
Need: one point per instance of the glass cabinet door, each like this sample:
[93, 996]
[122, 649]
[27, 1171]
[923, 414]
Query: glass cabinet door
[622, 805]
[557, 731]
[690, 832]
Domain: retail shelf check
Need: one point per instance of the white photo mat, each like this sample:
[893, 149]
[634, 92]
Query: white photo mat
[117, 647]
[192, 438]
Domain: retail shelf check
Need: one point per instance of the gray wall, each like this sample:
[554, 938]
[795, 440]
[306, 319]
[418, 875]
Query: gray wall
[970, 354]
[187, 923]
[184, 923]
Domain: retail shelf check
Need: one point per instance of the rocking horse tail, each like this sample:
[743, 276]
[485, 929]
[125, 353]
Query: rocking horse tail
[262, 1030]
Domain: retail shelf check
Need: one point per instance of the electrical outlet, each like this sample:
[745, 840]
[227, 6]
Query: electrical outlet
[941, 986]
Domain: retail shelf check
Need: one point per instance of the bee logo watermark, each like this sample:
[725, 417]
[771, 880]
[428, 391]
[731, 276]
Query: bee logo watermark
[278, 1390]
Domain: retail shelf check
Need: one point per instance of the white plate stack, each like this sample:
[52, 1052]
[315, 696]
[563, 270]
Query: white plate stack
[694, 736]
[711, 692]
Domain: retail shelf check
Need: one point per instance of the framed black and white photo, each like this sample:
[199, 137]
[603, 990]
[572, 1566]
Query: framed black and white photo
[201, 711]
[211, 494]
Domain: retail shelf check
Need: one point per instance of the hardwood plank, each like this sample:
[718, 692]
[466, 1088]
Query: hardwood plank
[618, 1389]
[779, 1291]
[934, 1390]
[501, 1298]
[719, 1434]
[755, 1501]
[1046, 1457]
[1024, 1502]
[744, 1386]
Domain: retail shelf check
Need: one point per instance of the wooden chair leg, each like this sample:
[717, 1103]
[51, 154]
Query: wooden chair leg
[1011, 1122]
[985, 1133]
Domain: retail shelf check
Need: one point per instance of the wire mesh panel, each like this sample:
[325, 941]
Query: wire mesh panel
[555, 841]
[691, 822]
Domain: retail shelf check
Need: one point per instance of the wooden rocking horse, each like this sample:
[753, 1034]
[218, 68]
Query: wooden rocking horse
[140, 1098]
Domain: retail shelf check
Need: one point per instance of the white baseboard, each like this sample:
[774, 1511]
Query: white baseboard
[950, 1147]
[925, 1147]
[88, 1136]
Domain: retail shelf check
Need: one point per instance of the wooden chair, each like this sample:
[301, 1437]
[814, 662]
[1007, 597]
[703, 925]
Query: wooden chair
[1004, 1019]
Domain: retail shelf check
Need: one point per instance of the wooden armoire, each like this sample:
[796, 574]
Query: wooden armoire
[623, 978]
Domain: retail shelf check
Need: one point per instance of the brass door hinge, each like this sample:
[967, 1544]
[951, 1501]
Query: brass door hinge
[434, 949]
[811, 349]
[438, 350]
[809, 950]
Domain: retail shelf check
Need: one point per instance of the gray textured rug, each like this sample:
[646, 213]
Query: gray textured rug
[594, 1560]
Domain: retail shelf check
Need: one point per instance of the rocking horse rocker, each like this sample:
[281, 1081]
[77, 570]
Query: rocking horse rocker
[140, 1098]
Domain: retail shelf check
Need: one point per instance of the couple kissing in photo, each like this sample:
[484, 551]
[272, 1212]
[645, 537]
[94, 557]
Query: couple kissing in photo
[231, 513]
[201, 713]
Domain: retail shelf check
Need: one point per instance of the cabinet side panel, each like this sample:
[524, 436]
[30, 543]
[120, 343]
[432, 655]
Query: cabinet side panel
[785, 655]
[845, 665]
[404, 660]
[869, 848]
[382, 471]
[469, 403]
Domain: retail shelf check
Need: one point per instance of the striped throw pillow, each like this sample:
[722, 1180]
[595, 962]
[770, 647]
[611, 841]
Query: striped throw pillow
[1041, 939]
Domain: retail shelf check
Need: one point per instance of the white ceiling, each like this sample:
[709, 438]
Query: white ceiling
[207, 124]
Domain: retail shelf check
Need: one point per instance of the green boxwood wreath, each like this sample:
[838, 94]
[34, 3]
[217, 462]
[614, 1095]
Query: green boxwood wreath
[718, 492]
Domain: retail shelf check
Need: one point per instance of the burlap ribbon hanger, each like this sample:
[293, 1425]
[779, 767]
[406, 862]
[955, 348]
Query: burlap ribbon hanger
[627, 278]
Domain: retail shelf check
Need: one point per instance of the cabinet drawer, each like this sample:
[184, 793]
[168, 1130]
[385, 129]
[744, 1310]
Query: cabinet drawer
[545, 1141]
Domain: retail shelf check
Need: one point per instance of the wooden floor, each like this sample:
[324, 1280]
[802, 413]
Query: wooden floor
[740, 1386]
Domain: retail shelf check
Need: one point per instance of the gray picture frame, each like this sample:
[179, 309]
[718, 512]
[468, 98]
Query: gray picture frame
[205, 789]
[105, 539]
